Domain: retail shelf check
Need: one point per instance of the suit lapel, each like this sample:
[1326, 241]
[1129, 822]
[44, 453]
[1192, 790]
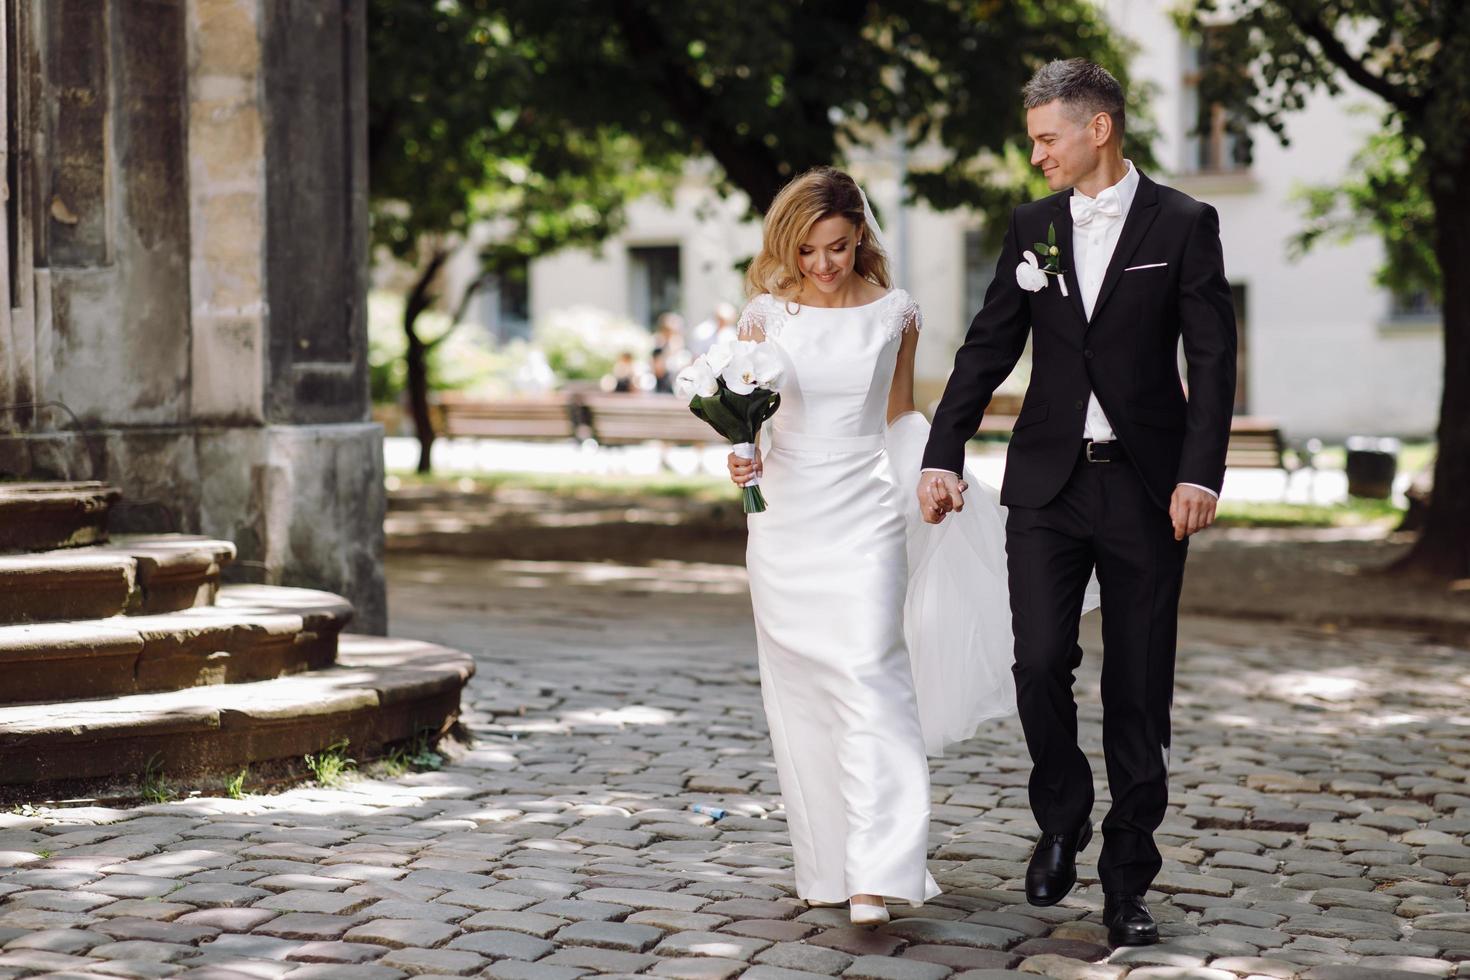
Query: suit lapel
[1141, 217]
[1063, 221]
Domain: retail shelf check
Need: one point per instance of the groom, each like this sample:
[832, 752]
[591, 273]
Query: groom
[1110, 465]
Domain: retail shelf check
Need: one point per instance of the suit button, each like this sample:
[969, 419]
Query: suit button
[1087, 354]
[1081, 404]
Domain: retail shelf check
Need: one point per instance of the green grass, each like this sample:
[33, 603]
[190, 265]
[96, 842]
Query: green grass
[235, 786]
[417, 755]
[331, 765]
[1353, 513]
[151, 785]
[671, 485]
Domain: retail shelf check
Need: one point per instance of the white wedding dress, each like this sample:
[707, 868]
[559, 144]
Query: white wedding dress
[879, 636]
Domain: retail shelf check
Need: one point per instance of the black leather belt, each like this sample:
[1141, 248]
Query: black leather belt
[1102, 452]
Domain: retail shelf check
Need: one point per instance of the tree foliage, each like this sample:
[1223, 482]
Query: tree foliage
[1415, 186]
[1384, 194]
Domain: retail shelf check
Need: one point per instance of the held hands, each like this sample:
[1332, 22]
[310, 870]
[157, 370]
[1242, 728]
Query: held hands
[1191, 510]
[742, 471]
[939, 493]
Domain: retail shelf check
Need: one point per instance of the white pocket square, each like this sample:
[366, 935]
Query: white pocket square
[1151, 265]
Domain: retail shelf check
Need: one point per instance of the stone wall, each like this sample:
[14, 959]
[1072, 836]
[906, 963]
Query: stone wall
[186, 262]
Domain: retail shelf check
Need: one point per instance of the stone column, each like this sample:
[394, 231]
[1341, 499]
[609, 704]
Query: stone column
[198, 262]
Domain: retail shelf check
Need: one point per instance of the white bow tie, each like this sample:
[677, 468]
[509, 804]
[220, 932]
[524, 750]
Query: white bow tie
[1085, 209]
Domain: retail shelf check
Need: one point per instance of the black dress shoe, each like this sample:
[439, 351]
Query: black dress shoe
[1053, 868]
[1129, 921]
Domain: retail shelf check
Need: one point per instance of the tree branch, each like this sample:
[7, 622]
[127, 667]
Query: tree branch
[1336, 52]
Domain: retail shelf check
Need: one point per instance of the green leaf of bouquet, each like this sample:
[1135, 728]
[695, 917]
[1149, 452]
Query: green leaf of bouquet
[1040, 247]
[1051, 233]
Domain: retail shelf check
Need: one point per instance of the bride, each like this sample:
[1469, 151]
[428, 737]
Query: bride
[879, 636]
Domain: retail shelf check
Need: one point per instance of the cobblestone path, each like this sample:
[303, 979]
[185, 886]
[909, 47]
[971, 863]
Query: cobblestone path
[1318, 824]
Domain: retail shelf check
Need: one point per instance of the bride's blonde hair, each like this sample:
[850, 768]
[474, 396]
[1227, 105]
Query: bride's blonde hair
[817, 194]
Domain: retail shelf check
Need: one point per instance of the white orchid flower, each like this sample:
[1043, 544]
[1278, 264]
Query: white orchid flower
[698, 380]
[1029, 275]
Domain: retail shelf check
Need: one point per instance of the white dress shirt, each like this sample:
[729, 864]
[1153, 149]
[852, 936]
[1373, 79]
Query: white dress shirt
[1097, 224]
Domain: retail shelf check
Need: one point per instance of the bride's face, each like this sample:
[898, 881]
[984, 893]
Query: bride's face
[827, 256]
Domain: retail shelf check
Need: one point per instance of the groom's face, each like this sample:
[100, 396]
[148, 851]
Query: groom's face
[1065, 148]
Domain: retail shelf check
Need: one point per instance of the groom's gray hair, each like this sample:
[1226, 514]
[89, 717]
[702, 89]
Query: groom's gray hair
[1081, 86]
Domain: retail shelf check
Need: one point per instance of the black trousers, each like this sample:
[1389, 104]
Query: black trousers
[1102, 518]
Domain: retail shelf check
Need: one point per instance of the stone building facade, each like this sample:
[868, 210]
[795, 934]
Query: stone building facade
[185, 273]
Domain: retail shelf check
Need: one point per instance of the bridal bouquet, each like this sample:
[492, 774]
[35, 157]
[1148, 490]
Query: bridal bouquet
[734, 389]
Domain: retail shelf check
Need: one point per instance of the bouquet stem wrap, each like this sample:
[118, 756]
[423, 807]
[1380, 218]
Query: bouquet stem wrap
[750, 490]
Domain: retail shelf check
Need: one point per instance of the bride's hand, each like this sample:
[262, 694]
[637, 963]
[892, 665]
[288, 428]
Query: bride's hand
[742, 470]
[939, 493]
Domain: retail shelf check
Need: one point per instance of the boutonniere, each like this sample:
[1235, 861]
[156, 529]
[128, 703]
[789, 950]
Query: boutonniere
[1031, 274]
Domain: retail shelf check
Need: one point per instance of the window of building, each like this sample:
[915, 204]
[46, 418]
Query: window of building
[656, 286]
[1216, 140]
[979, 271]
[1242, 347]
[1418, 304]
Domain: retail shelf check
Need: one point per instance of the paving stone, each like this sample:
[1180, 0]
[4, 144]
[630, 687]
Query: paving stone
[609, 935]
[219, 895]
[779, 973]
[531, 923]
[800, 956]
[449, 962]
[335, 952]
[720, 944]
[964, 958]
[140, 949]
[699, 968]
[858, 941]
[307, 925]
[641, 899]
[498, 944]
[330, 971]
[304, 900]
[1072, 949]
[943, 932]
[771, 930]
[74, 941]
[1062, 968]
[747, 908]
[248, 947]
[1179, 973]
[894, 968]
[600, 960]
[577, 909]
[228, 920]
[399, 933]
[1345, 972]
[517, 970]
[1257, 966]
[162, 932]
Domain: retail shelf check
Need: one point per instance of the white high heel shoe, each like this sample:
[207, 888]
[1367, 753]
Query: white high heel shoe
[863, 914]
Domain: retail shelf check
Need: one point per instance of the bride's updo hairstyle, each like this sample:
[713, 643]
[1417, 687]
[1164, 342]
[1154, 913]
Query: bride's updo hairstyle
[817, 194]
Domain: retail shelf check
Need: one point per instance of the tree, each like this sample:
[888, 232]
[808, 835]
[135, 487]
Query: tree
[547, 115]
[458, 139]
[1415, 57]
[771, 89]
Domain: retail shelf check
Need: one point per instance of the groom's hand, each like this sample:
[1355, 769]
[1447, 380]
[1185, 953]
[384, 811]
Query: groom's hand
[1191, 509]
[939, 493]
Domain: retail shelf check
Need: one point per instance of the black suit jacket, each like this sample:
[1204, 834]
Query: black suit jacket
[1127, 353]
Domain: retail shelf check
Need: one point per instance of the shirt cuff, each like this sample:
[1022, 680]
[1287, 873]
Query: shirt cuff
[938, 469]
[1205, 489]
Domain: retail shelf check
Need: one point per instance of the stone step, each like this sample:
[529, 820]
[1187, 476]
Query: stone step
[380, 691]
[134, 574]
[252, 633]
[43, 516]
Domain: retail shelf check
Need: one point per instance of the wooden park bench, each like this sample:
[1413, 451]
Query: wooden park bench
[626, 419]
[540, 417]
[1000, 415]
[1256, 444]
